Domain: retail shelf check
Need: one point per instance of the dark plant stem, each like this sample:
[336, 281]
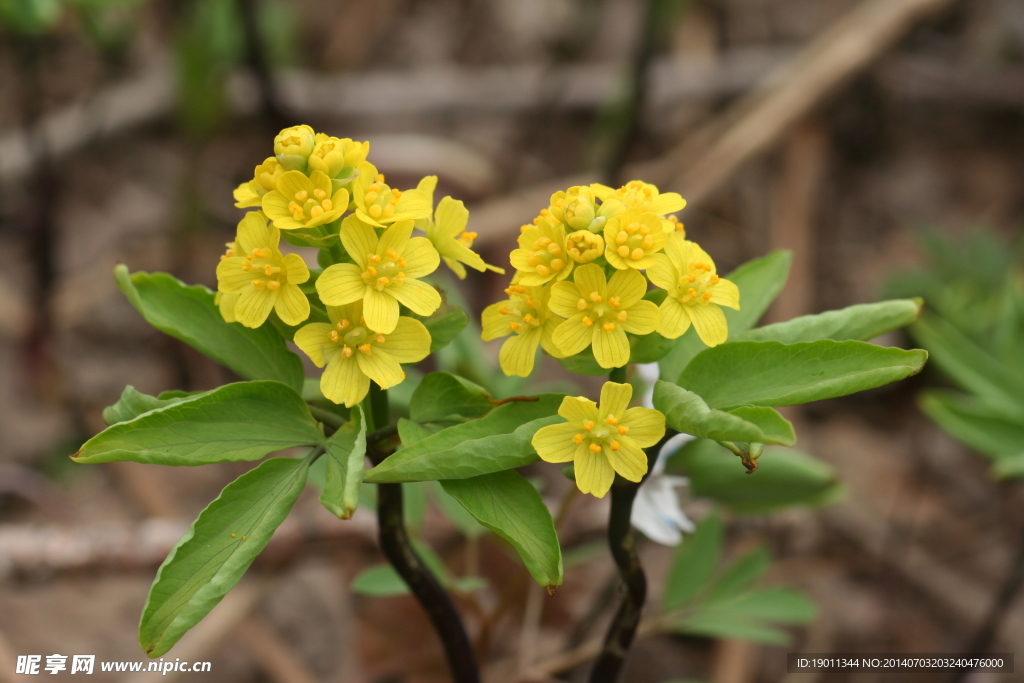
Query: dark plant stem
[397, 548]
[1004, 599]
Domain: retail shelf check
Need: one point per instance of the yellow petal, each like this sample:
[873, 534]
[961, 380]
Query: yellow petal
[641, 318]
[395, 238]
[292, 306]
[615, 398]
[663, 273]
[695, 253]
[246, 197]
[456, 267]
[290, 183]
[230, 275]
[341, 284]
[678, 250]
[590, 278]
[379, 366]
[451, 217]
[629, 286]
[367, 174]
[413, 204]
[572, 336]
[673, 319]
[554, 443]
[344, 382]
[576, 409]
[709, 321]
[646, 426]
[629, 460]
[320, 181]
[615, 260]
[255, 233]
[226, 303]
[427, 185]
[359, 240]
[564, 298]
[594, 474]
[547, 337]
[725, 293]
[314, 340]
[420, 257]
[275, 205]
[416, 295]
[295, 269]
[254, 305]
[380, 310]
[611, 348]
[409, 342]
[494, 323]
[351, 312]
[667, 202]
[519, 352]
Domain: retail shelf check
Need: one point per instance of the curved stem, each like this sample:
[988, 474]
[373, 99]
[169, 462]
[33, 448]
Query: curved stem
[397, 548]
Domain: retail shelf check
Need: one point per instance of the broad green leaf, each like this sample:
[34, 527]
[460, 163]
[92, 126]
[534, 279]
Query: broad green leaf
[759, 281]
[241, 421]
[454, 511]
[444, 397]
[189, 314]
[218, 548]
[694, 563]
[346, 460]
[741, 574]
[972, 367]
[975, 423]
[498, 441]
[781, 605]
[687, 412]
[774, 374]
[1009, 468]
[134, 403]
[862, 322]
[784, 478]
[444, 325]
[717, 625]
[410, 432]
[510, 506]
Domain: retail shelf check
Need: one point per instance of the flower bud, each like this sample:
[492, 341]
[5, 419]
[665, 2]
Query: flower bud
[292, 147]
[337, 158]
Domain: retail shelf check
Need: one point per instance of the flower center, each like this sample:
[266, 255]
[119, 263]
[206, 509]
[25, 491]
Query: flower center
[584, 246]
[304, 207]
[547, 256]
[637, 195]
[382, 271]
[466, 238]
[380, 200]
[607, 315]
[352, 337]
[265, 268]
[597, 435]
[633, 241]
[524, 307]
[694, 286]
[268, 173]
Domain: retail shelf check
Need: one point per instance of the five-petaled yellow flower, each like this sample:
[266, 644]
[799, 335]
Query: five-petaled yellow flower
[250, 194]
[695, 292]
[525, 316]
[447, 232]
[263, 279]
[632, 239]
[384, 274]
[355, 353]
[601, 312]
[601, 440]
[301, 202]
[541, 256]
[377, 204]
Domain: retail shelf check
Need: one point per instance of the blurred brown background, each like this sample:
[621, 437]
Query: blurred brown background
[838, 128]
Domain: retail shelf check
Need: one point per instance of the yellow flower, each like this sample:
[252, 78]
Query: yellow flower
[601, 440]
[337, 158]
[226, 302]
[637, 194]
[526, 316]
[695, 292]
[584, 246]
[577, 207]
[355, 353]
[264, 279]
[600, 312]
[541, 255]
[447, 232]
[292, 147]
[250, 194]
[671, 224]
[633, 237]
[378, 204]
[301, 202]
[384, 274]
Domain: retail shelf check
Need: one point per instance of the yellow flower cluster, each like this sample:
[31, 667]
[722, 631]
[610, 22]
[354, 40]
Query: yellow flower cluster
[307, 188]
[604, 238]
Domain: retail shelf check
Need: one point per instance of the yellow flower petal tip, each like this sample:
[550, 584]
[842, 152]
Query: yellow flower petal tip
[601, 440]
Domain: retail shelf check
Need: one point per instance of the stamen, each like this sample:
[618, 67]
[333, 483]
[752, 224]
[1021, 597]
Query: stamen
[374, 211]
[615, 445]
[365, 348]
[608, 327]
[543, 270]
[578, 439]
[612, 420]
[379, 338]
[302, 195]
[258, 284]
[373, 258]
[621, 316]
[343, 324]
[623, 429]
[614, 302]
[587, 321]
[347, 351]
[319, 194]
[557, 264]
[588, 425]
[334, 336]
[594, 448]
[391, 254]
[273, 285]
[637, 254]
[581, 305]
[623, 251]
[596, 298]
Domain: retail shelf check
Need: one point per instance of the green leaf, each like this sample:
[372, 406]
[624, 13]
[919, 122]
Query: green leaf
[784, 478]
[133, 403]
[975, 423]
[222, 543]
[510, 506]
[346, 460]
[972, 367]
[716, 625]
[242, 421]
[189, 314]
[499, 441]
[862, 322]
[410, 432]
[694, 563]
[444, 325]
[742, 574]
[773, 374]
[759, 281]
[783, 605]
[380, 581]
[687, 412]
[444, 397]
[454, 511]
